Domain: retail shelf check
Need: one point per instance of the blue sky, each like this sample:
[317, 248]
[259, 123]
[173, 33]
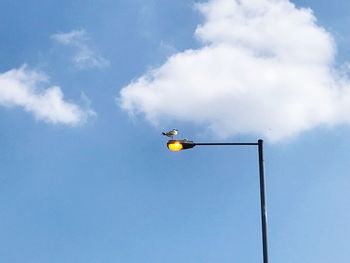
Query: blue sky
[87, 87]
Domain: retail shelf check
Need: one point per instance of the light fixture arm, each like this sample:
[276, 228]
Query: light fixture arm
[227, 143]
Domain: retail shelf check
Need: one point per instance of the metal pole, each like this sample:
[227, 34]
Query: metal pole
[262, 189]
[263, 201]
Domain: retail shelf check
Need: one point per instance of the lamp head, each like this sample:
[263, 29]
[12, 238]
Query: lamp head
[178, 145]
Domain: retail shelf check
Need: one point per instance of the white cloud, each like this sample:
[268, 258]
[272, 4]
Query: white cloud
[265, 68]
[84, 57]
[23, 88]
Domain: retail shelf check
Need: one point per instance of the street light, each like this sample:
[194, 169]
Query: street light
[178, 145]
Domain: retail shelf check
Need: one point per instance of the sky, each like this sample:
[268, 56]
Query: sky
[87, 88]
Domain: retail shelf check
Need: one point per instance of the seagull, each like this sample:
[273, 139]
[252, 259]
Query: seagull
[171, 133]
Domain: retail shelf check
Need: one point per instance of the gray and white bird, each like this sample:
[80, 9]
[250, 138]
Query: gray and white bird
[171, 133]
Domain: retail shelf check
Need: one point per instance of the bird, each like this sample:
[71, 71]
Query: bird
[171, 133]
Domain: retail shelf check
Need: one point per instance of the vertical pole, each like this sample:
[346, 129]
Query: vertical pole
[262, 200]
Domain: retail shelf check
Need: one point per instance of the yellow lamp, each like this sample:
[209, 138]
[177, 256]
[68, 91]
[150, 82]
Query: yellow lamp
[178, 145]
[175, 146]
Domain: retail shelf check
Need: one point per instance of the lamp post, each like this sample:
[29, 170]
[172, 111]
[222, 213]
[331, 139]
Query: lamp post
[178, 145]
